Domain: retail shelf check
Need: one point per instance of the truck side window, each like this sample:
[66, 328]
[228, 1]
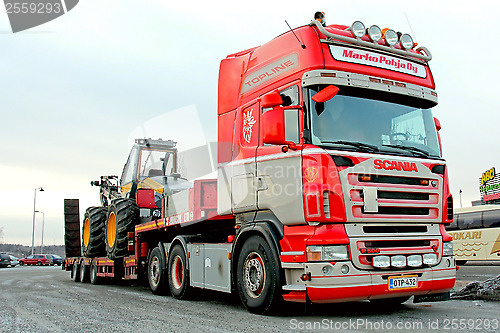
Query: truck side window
[290, 96]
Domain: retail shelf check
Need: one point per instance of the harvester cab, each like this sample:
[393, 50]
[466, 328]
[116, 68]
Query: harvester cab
[151, 164]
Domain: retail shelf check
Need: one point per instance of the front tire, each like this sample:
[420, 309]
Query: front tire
[123, 215]
[157, 275]
[178, 274]
[258, 277]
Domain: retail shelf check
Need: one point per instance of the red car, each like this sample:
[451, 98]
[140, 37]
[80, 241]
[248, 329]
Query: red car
[37, 259]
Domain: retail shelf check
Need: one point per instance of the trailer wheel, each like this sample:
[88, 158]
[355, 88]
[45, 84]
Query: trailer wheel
[93, 232]
[75, 272]
[121, 219]
[94, 279]
[178, 274]
[258, 276]
[84, 273]
[157, 275]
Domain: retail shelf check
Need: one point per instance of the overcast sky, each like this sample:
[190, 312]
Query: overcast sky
[76, 89]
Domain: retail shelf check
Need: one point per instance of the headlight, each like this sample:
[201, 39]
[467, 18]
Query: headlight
[430, 259]
[447, 249]
[327, 253]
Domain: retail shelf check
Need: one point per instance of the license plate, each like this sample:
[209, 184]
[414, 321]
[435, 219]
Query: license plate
[402, 282]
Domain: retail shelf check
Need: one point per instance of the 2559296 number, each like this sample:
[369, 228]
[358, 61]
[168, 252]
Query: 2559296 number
[33, 8]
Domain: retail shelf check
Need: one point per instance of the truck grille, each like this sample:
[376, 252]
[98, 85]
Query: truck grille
[396, 197]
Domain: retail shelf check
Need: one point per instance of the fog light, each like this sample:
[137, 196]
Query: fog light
[358, 29]
[406, 41]
[381, 261]
[327, 270]
[398, 261]
[375, 33]
[391, 37]
[414, 260]
[430, 259]
[344, 269]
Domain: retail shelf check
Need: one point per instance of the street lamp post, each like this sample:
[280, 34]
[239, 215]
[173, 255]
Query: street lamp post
[43, 228]
[460, 198]
[34, 210]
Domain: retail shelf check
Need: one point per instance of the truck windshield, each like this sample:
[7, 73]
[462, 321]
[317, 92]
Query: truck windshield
[353, 122]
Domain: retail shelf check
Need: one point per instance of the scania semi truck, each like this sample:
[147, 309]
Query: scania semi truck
[330, 186]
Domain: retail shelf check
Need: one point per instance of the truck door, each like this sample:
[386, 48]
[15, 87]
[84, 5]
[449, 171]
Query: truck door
[243, 175]
[279, 174]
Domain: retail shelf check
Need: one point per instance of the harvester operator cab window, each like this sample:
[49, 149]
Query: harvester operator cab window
[154, 163]
[129, 169]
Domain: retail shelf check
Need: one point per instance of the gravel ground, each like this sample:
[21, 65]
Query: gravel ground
[44, 299]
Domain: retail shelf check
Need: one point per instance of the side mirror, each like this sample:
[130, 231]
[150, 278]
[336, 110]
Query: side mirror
[325, 94]
[273, 126]
[271, 100]
[437, 123]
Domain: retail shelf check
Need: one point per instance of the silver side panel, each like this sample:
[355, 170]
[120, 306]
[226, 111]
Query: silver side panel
[209, 266]
[177, 203]
[279, 186]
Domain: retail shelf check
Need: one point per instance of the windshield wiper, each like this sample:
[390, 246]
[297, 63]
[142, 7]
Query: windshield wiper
[360, 145]
[419, 151]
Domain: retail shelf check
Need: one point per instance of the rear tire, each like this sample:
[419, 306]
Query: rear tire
[93, 232]
[258, 277]
[84, 273]
[157, 275]
[75, 272]
[39, 263]
[123, 215]
[178, 274]
[94, 279]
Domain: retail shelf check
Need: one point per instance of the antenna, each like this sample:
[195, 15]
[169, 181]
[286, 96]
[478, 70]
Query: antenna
[302, 45]
[412, 33]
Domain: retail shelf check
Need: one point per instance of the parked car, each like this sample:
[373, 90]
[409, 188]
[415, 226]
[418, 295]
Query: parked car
[4, 260]
[13, 261]
[37, 259]
[57, 260]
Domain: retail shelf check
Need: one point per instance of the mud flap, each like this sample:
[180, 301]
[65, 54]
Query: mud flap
[432, 298]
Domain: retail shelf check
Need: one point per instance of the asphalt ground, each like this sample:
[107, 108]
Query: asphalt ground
[45, 299]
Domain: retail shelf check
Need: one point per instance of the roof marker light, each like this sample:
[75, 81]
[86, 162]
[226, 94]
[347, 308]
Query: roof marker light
[358, 29]
[406, 41]
[375, 33]
[391, 37]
